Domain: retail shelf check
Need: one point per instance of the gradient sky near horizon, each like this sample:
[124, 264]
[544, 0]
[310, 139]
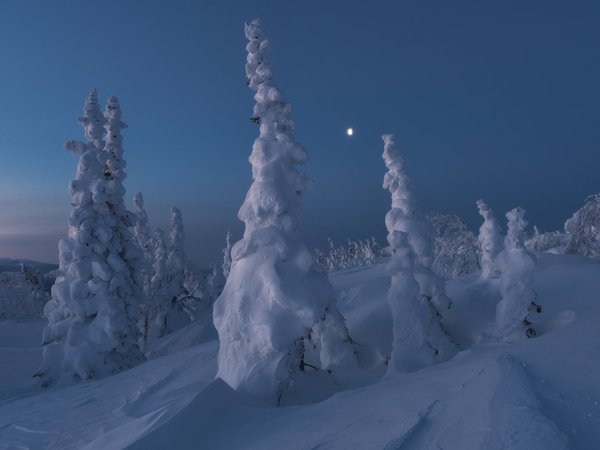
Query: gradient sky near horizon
[493, 100]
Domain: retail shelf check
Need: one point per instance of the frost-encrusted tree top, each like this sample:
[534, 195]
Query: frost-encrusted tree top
[396, 180]
[405, 211]
[143, 236]
[142, 228]
[515, 236]
[93, 123]
[176, 259]
[274, 197]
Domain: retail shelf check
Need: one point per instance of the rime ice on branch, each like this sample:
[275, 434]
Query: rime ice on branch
[278, 325]
[226, 266]
[416, 292]
[93, 313]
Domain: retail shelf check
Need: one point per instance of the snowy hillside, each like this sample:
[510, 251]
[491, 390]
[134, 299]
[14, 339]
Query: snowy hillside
[14, 265]
[540, 393]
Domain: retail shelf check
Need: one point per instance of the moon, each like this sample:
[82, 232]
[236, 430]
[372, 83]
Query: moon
[349, 131]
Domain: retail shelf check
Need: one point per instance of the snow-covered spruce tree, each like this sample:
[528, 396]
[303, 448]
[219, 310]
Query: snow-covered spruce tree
[490, 241]
[167, 312]
[404, 216]
[583, 229]
[370, 251]
[176, 260]
[154, 314]
[92, 315]
[411, 349]
[281, 335]
[516, 265]
[177, 315]
[331, 257]
[143, 236]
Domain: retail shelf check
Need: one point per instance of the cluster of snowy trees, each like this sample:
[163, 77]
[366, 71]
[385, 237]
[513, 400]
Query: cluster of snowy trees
[459, 252]
[119, 284]
[545, 241]
[122, 285]
[354, 254]
[512, 265]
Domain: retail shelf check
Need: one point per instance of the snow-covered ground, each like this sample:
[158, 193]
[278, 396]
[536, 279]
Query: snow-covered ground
[540, 393]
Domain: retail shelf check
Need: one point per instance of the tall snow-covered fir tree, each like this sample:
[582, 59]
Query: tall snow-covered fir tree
[490, 241]
[423, 334]
[93, 313]
[166, 312]
[516, 266]
[143, 236]
[176, 315]
[176, 260]
[153, 321]
[278, 324]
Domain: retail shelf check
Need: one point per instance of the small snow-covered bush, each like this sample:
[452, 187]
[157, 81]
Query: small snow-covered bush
[354, 254]
[456, 246]
[541, 242]
[583, 229]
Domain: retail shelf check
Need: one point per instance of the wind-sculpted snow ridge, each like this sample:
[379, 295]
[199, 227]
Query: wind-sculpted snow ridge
[487, 403]
[281, 336]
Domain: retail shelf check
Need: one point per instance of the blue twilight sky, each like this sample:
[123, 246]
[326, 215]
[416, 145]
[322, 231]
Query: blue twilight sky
[495, 100]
